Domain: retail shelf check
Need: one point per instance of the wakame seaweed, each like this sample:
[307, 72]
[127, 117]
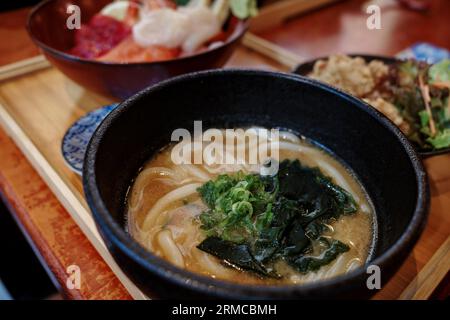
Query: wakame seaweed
[252, 221]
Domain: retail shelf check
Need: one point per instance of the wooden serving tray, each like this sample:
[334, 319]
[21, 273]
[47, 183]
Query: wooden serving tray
[36, 109]
[38, 104]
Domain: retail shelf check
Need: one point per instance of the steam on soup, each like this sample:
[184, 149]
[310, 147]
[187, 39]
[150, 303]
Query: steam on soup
[309, 220]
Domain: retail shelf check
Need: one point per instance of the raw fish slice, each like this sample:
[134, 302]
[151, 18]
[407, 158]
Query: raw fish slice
[100, 35]
[129, 51]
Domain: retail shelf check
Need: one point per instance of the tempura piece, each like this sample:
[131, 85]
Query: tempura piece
[350, 74]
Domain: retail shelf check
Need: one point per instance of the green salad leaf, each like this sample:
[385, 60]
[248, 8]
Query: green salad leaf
[441, 140]
[440, 72]
[408, 98]
[182, 2]
[253, 221]
[244, 8]
[408, 72]
[424, 118]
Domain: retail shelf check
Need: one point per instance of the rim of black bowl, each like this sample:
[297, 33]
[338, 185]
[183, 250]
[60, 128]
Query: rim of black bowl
[64, 55]
[206, 285]
[305, 67]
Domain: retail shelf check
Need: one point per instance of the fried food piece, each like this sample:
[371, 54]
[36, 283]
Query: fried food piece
[390, 111]
[353, 75]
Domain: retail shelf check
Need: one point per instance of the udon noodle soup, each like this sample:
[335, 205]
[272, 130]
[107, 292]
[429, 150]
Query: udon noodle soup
[310, 221]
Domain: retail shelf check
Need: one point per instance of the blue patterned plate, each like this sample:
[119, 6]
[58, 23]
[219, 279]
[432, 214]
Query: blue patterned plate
[76, 139]
[425, 52]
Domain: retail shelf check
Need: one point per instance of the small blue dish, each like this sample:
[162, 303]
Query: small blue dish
[77, 137]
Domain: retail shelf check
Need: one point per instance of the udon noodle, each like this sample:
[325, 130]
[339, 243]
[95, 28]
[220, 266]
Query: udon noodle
[164, 205]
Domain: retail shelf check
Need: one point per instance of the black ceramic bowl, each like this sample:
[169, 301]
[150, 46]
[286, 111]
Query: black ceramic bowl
[394, 178]
[306, 68]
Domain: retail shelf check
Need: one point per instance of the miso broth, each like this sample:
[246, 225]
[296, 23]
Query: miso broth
[164, 211]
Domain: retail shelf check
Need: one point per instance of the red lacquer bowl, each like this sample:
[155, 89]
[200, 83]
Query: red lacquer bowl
[47, 28]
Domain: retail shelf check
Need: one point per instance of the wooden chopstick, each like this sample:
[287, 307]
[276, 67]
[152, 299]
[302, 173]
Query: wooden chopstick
[23, 67]
[431, 275]
[271, 50]
[274, 14]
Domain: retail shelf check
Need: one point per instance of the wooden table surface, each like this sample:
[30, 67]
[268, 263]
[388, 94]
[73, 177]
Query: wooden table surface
[337, 28]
